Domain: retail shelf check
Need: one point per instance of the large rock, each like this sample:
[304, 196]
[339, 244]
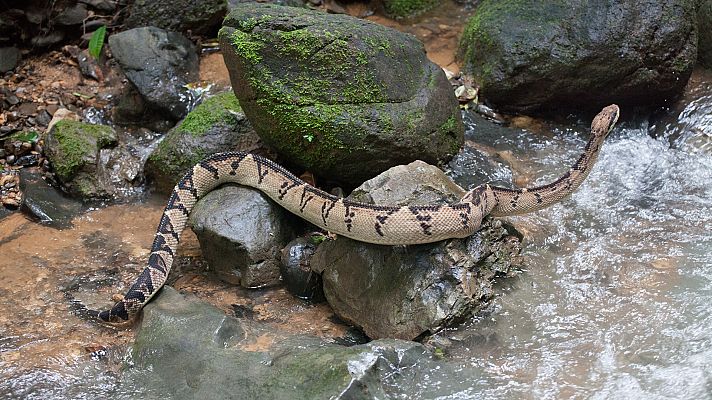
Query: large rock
[199, 17]
[159, 64]
[339, 96]
[187, 349]
[704, 24]
[533, 56]
[405, 292]
[216, 125]
[241, 232]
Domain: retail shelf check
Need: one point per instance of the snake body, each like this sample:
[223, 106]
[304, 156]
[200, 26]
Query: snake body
[380, 224]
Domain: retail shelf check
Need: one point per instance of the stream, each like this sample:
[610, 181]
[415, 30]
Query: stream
[615, 300]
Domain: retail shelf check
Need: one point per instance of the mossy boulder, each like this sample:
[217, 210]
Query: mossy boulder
[407, 8]
[342, 97]
[216, 125]
[188, 349]
[704, 24]
[73, 149]
[199, 17]
[541, 56]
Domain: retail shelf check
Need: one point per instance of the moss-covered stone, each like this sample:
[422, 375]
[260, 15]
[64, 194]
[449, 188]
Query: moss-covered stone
[543, 56]
[407, 8]
[216, 125]
[72, 145]
[342, 97]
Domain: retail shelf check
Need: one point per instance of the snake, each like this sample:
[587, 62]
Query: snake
[378, 224]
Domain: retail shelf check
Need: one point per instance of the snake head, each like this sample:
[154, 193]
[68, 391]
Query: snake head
[605, 120]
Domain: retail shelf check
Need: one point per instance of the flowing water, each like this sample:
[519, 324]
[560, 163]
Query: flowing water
[615, 302]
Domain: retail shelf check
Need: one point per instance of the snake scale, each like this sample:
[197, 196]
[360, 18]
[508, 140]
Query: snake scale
[380, 224]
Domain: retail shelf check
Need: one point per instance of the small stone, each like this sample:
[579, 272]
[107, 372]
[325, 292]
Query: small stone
[10, 159]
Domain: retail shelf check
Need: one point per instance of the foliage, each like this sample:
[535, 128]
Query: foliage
[96, 43]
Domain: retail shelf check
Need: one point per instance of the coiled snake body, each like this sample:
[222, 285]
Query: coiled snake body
[380, 224]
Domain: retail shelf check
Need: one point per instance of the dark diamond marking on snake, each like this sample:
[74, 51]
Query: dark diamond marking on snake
[378, 229]
[211, 168]
[325, 211]
[426, 228]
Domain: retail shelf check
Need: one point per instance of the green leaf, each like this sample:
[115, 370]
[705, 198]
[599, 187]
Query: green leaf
[96, 43]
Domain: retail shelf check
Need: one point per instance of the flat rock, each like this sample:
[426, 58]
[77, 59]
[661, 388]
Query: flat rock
[188, 349]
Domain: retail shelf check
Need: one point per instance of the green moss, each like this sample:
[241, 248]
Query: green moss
[77, 142]
[407, 8]
[219, 108]
[449, 125]
[300, 43]
[246, 47]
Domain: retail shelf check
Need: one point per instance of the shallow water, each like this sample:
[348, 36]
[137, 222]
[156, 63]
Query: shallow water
[616, 301]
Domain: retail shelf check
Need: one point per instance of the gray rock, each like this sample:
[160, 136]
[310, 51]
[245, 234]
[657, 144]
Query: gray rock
[532, 56]
[339, 96]
[296, 271]
[159, 64]
[704, 25]
[407, 8]
[45, 203]
[187, 349]
[216, 125]
[241, 232]
[199, 17]
[291, 3]
[9, 57]
[72, 15]
[407, 291]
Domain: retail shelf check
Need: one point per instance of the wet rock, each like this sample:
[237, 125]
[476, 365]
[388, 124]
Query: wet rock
[198, 17]
[530, 56]
[9, 57]
[297, 274]
[686, 125]
[159, 64]
[73, 148]
[407, 8]
[241, 232]
[291, 3]
[407, 291]
[704, 25]
[216, 125]
[189, 349]
[339, 96]
[46, 204]
[101, 5]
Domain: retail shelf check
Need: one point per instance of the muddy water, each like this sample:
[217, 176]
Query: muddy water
[50, 343]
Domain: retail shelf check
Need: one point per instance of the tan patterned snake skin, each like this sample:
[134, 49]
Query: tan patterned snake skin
[380, 224]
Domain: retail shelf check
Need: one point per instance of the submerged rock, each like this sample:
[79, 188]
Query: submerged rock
[189, 349]
[241, 232]
[336, 95]
[407, 291]
[216, 125]
[45, 203]
[533, 56]
[159, 64]
[199, 17]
